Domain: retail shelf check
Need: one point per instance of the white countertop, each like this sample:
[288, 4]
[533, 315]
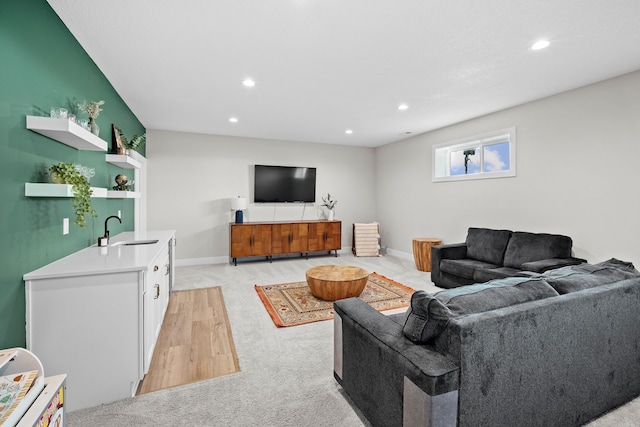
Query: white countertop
[108, 259]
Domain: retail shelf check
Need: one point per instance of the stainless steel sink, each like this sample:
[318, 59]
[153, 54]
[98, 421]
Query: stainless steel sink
[134, 242]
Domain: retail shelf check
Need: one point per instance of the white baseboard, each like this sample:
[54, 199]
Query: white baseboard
[400, 254]
[225, 259]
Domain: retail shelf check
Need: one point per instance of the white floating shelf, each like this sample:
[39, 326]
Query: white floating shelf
[125, 162]
[66, 132]
[99, 192]
[57, 190]
[122, 194]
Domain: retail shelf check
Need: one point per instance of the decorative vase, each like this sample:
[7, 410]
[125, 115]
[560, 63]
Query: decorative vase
[95, 129]
[55, 178]
[332, 215]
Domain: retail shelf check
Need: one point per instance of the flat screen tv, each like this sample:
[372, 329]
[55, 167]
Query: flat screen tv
[284, 184]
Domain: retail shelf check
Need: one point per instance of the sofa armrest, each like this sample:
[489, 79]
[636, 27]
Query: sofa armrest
[549, 264]
[373, 361]
[440, 252]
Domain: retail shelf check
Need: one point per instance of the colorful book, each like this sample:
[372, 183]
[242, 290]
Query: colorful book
[13, 390]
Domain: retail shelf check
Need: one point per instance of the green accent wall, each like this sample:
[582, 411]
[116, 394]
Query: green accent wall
[43, 66]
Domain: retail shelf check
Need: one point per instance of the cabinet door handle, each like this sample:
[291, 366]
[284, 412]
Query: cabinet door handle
[155, 268]
[157, 286]
[167, 269]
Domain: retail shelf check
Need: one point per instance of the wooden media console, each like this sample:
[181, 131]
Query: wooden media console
[251, 239]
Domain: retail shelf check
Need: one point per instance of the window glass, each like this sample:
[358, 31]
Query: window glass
[465, 162]
[496, 157]
[491, 155]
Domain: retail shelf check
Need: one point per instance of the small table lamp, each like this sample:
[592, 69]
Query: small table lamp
[238, 204]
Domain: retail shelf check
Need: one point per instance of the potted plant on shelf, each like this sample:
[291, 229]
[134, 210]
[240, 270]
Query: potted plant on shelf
[92, 108]
[330, 205]
[66, 173]
[135, 143]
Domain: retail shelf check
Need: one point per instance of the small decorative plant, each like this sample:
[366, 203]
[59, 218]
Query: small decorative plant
[135, 143]
[328, 203]
[66, 173]
[92, 108]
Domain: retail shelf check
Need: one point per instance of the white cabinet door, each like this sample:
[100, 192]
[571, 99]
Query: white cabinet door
[156, 299]
[149, 314]
[165, 285]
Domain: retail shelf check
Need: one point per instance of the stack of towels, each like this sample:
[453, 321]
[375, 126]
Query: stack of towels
[366, 239]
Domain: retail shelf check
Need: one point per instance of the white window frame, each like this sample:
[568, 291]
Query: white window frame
[441, 156]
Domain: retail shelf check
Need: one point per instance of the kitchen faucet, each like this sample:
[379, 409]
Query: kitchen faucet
[104, 240]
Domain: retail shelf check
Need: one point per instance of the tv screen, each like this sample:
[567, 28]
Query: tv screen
[284, 184]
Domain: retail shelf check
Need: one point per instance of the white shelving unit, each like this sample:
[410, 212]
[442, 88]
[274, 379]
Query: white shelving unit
[32, 189]
[73, 135]
[125, 162]
[66, 132]
[112, 194]
[44, 403]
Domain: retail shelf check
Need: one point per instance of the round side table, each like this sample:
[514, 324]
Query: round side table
[422, 251]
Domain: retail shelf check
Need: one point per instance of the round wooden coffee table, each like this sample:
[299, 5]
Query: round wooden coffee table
[334, 282]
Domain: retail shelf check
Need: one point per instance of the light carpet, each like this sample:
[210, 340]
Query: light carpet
[291, 304]
[287, 373]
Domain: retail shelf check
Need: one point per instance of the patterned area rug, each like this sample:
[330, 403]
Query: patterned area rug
[291, 304]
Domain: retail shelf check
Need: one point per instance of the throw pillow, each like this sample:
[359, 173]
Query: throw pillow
[429, 314]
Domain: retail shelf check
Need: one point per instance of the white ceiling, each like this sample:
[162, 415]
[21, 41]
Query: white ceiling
[324, 66]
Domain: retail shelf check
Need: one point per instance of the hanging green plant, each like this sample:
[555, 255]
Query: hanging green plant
[66, 173]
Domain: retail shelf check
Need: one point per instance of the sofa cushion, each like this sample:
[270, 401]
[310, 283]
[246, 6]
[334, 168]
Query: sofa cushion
[463, 267]
[482, 275]
[429, 314]
[487, 245]
[549, 264]
[585, 276]
[526, 247]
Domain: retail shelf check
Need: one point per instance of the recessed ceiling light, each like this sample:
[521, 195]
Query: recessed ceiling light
[348, 131]
[248, 83]
[403, 107]
[540, 44]
[233, 119]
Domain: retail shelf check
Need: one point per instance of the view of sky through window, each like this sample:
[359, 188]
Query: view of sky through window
[490, 155]
[458, 161]
[496, 157]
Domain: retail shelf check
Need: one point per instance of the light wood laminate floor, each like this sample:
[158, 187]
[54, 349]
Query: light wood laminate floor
[195, 341]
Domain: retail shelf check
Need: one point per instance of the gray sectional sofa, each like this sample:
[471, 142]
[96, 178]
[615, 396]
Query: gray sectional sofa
[554, 349]
[489, 254]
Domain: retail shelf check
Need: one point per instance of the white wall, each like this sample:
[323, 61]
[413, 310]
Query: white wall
[191, 178]
[578, 171]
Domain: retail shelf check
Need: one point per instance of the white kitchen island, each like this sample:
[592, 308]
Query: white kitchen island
[95, 315]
